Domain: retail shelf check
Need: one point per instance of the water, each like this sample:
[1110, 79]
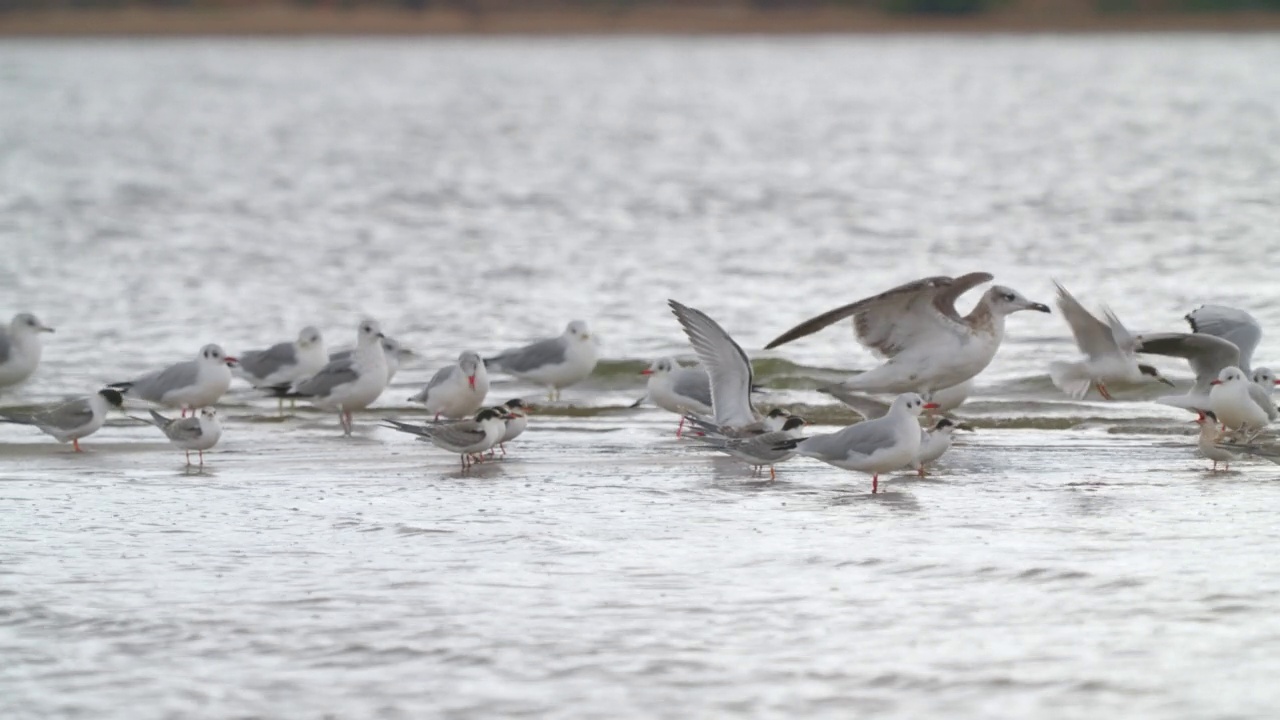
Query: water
[1070, 558]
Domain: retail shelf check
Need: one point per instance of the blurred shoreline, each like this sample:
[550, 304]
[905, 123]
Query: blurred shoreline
[281, 20]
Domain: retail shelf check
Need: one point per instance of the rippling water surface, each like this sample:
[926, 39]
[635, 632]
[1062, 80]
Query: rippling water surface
[1069, 559]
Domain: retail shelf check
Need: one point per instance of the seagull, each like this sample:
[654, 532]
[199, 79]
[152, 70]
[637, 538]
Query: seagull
[731, 376]
[681, 390]
[935, 442]
[458, 390]
[348, 384]
[187, 385]
[198, 432]
[396, 355]
[761, 450]
[284, 363]
[927, 344]
[465, 437]
[71, 420]
[1109, 350]
[871, 446]
[1239, 404]
[1231, 324]
[1208, 442]
[1265, 379]
[517, 412]
[20, 348]
[555, 362]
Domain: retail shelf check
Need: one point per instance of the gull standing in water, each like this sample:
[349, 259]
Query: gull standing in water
[871, 446]
[1239, 404]
[1109, 349]
[731, 376]
[71, 420]
[458, 390]
[20, 348]
[284, 363]
[681, 390]
[348, 384]
[555, 363]
[188, 385]
[927, 344]
[468, 438]
[199, 432]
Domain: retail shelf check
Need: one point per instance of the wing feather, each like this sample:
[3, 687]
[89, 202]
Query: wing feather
[725, 362]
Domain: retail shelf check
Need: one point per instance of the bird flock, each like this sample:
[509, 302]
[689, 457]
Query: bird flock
[931, 355]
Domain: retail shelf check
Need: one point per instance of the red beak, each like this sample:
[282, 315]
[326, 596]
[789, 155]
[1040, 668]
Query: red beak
[471, 380]
[931, 406]
[1216, 382]
[1278, 382]
[647, 371]
[232, 361]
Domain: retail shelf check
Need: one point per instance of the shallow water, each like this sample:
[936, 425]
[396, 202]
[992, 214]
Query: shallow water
[1069, 558]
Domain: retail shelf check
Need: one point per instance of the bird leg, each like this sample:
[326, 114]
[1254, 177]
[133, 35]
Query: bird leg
[437, 418]
[681, 428]
[1102, 390]
[875, 483]
[279, 406]
[188, 458]
[921, 472]
[184, 411]
[76, 444]
[773, 475]
[201, 459]
[503, 448]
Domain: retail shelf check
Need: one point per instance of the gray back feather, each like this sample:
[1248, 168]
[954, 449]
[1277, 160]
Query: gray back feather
[262, 363]
[693, 383]
[863, 438]
[337, 372]
[544, 352]
[4, 345]
[153, 386]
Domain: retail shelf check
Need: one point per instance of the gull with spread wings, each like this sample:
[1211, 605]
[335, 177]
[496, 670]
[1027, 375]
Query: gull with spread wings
[1109, 350]
[927, 345]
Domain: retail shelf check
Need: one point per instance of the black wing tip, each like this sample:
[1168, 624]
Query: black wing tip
[282, 391]
[789, 444]
[122, 387]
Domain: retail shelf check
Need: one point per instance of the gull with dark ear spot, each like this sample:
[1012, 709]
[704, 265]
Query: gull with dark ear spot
[871, 446]
[927, 344]
[188, 385]
[457, 390]
[555, 363]
[1109, 348]
[71, 420]
[20, 348]
[1239, 404]
[350, 384]
[681, 390]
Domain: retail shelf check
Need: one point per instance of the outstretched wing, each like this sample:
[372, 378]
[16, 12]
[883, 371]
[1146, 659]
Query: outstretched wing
[892, 321]
[726, 364]
[1094, 337]
[1235, 326]
[1207, 354]
[868, 407]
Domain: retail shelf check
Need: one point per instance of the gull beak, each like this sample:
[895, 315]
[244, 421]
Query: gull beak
[44, 328]
[1039, 307]
[471, 380]
[1216, 382]
[586, 336]
[931, 406]
[382, 336]
[232, 362]
[1278, 382]
[647, 371]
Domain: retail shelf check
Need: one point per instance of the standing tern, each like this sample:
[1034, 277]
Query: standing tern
[468, 438]
[935, 442]
[927, 344]
[517, 417]
[555, 363]
[20, 348]
[1109, 349]
[457, 390]
[348, 384]
[71, 420]
[1208, 441]
[199, 432]
[871, 446]
[187, 385]
[760, 451]
[681, 390]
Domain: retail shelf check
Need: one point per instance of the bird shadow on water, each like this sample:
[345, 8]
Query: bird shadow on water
[887, 497]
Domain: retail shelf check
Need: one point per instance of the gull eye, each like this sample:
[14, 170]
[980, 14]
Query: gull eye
[1008, 296]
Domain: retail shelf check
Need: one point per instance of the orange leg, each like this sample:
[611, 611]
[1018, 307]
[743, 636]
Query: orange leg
[773, 474]
[681, 428]
[1102, 390]
[921, 472]
[503, 448]
[76, 444]
[875, 483]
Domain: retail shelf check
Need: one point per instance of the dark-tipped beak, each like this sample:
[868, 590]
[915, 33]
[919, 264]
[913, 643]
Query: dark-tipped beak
[1040, 307]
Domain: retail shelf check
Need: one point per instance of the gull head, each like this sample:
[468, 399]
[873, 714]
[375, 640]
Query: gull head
[309, 337]
[28, 324]
[661, 366]
[912, 403]
[1231, 374]
[208, 413]
[1152, 372]
[214, 355]
[1264, 377]
[470, 363]
[1004, 301]
[368, 331]
[395, 350]
[577, 330]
